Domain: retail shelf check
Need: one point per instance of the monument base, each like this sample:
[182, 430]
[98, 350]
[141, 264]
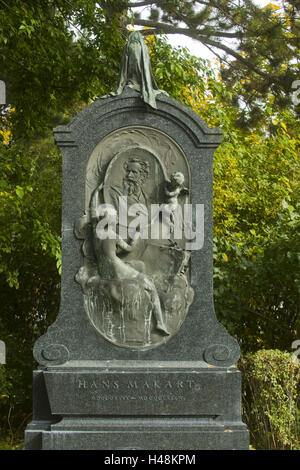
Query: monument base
[173, 406]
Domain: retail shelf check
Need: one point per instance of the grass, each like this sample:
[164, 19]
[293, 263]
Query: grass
[11, 443]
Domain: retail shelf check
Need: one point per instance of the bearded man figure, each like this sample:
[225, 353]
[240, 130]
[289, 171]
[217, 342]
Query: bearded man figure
[136, 173]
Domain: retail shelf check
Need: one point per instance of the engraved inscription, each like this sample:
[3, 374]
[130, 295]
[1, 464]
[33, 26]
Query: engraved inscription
[105, 392]
[136, 390]
[164, 385]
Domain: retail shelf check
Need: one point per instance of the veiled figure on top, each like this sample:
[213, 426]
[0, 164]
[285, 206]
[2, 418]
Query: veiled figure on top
[136, 71]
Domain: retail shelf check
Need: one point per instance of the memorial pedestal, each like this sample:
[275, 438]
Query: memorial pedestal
[122, 406]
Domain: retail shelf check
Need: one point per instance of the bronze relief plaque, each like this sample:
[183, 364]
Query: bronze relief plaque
[135, 276]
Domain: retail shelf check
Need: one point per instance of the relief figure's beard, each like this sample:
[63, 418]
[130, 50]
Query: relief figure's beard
[131, 187]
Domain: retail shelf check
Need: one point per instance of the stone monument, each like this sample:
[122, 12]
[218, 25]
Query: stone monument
[136, 358]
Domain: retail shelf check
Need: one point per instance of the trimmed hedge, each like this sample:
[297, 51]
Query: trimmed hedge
[271, 392]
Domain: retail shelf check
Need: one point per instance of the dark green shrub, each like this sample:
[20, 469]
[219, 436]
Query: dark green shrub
[270, 398]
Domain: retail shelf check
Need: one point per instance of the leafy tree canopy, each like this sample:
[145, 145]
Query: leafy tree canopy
[256, 211]
[54, 53]
[257, 47]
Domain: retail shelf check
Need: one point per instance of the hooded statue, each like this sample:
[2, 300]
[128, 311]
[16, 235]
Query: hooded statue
[136, 70]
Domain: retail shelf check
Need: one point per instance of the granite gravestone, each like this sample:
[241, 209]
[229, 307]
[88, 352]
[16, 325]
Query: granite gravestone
[136, 358]
[2, 352]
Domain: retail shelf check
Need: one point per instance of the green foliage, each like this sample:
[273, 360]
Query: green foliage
[265, 58]
[10, 436]
[271, 393]
[30, 196]
[8, 439]
[5, 386]
[275, 52]
[257, 285]
[175, 70]
[256, 220]
[30, 213]
[54, 55]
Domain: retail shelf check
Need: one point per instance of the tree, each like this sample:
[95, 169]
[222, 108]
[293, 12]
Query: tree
[256, 222]
[66, 51]
[258, 47]
[256, 208]
[55, 55]
[30, 206]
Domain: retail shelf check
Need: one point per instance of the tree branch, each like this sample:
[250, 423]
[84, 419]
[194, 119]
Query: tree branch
[234, 54]
[157, 3]
[159, 28]
[216, 54]
[140, 4]
[222, 34]
[165, 28]
[169, 29]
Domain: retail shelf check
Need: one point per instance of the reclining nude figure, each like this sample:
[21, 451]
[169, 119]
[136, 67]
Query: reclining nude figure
[111, 266]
